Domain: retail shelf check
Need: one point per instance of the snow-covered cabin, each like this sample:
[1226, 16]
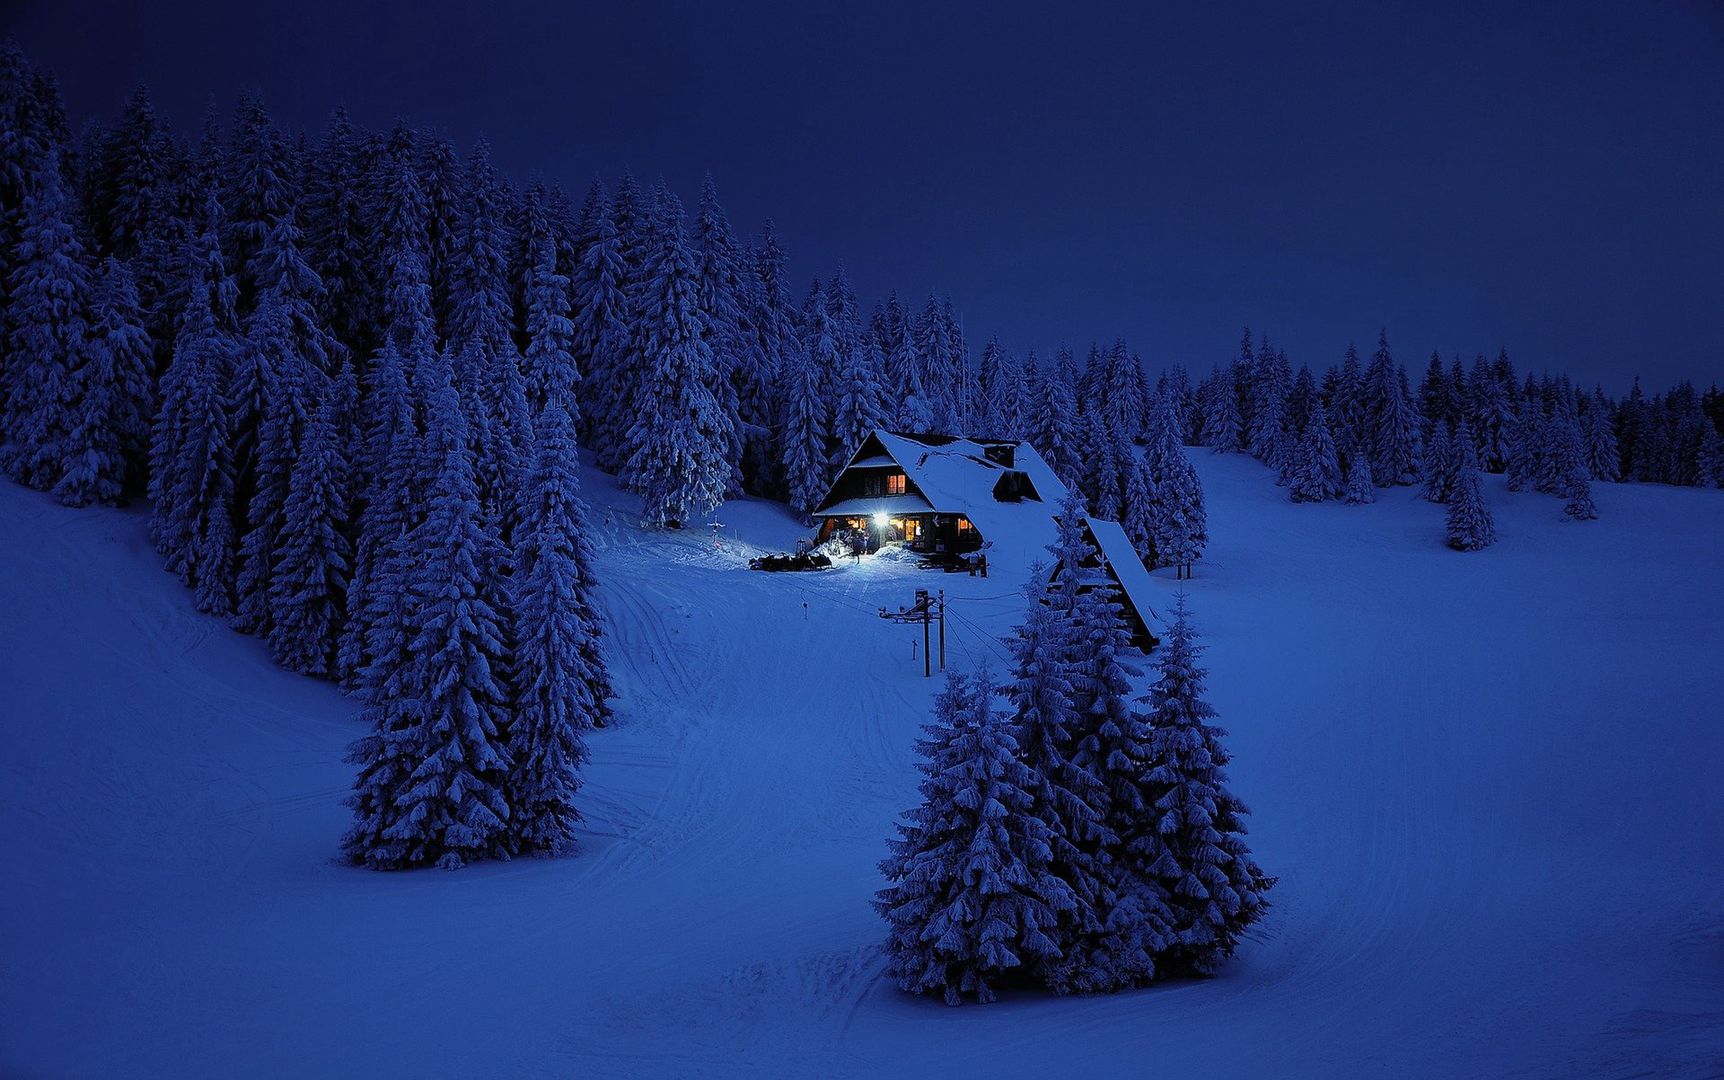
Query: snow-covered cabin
[944, 496]
[1114, 563]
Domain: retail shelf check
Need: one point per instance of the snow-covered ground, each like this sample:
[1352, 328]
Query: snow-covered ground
[1490, 784]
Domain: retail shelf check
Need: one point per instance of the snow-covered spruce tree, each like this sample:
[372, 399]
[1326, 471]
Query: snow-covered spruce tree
[1577, 489]
[972, 895]
[280, 386]
[1440, 457]
[433, 770]
[1357, 479]
[47, 322]
[1267, 434]
[548, 365]
[559, 694]
[1197, 855]
[1394, 422]
[388, 452]
[110, 395]
[1470, 527]
[601, 331]
[721, 293]
[1223, 427]
[308, 590]
[1522, 438]
[1181, 529]
[405, 270]
[1316, 477]
[680, 436]
[338, 242]
[1711, 458]
[191, 454]
[857, 413]
[1044, 727]
[257, 189]
[807, 429]
[1347, 408]
[1052, 426]
[1138, 509]
[1598, 431]
[1563, 455]
[1112, 746]
[1106, 450]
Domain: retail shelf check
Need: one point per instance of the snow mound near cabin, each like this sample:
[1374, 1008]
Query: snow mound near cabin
[1488, 783]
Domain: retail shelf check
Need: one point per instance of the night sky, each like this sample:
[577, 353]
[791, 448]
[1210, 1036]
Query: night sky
[1551, 180]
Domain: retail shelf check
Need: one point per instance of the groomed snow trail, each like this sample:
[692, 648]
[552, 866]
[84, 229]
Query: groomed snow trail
[1488, 783]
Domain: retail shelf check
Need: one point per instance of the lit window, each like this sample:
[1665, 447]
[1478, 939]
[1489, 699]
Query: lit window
[963, 524]
[895, 484]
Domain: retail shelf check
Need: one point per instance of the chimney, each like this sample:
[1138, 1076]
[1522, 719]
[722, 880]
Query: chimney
[1002, 454]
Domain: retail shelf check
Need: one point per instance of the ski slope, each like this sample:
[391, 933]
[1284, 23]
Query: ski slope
[1490, 785]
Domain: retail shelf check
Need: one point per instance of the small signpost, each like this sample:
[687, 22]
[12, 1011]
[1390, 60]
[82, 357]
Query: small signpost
[926, 610]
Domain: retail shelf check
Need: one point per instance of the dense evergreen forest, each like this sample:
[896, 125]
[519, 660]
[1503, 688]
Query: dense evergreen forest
[351, 372]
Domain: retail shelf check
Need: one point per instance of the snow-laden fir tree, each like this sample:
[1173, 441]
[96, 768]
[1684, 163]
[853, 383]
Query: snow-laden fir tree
[1139, 508]
[600, 341]
[1577, 489]
[1052, 420]
[47, 321]
[1523, 438]
[308, 589]
[1563, 456]
[384, 482]
[405, 270]
[1394, 432]
[1470, 527]
[857, 410]
[1222, 426]
[806, 431]
[679, 436]
[1441, 454]
[339, 236]
[191, 455]
[110, 397]
[1316, 476]
[1598, 432]
[1212, 886]
[548, 365]
[1180, 522]
[559, 694]
[434, 768]
[280, 387]
[721, 293]
[258, 189]
[1131, 924]
[972, 897]
[1107, 451]
[1357, 480]
[1711, 460]
[1044, 727]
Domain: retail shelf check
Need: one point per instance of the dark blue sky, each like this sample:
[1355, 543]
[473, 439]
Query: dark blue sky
[1550, 179]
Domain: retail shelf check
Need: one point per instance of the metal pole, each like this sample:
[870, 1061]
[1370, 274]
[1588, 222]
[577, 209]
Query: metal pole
[942, 629]
[927, 656]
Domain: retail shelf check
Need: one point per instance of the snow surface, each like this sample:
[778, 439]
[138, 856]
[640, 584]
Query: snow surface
[1489, 783]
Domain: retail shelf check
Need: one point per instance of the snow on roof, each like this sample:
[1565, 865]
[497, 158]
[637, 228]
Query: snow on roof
[874, 461]
[957, 477]
[1134, 579]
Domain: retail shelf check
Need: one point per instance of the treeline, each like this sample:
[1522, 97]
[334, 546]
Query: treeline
[1067, 834]
[1361, 426]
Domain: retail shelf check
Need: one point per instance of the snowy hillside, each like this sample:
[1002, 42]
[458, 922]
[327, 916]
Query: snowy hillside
[1488, 783]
